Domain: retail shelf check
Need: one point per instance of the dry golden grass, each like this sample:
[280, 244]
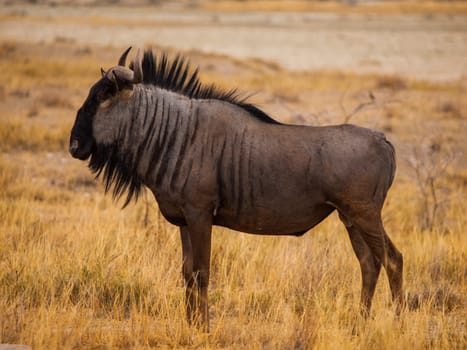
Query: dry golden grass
[77, 272]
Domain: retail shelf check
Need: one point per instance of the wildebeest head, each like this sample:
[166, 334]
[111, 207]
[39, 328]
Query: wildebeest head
[94, 121]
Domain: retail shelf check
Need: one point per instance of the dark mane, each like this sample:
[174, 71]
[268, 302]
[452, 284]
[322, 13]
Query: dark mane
[118, 170]
[175, 76]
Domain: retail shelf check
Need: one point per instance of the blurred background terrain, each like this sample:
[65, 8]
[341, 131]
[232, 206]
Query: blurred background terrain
[77, 272]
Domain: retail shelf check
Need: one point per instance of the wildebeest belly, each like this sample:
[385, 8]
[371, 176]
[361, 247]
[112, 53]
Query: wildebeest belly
[293, 220]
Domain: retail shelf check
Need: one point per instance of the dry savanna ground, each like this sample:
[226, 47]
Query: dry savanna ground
[77, 272]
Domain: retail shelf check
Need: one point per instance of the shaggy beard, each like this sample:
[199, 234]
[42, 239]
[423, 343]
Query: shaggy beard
[118, 172]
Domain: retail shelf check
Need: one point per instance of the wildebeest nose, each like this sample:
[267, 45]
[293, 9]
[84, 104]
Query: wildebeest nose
[74, 145]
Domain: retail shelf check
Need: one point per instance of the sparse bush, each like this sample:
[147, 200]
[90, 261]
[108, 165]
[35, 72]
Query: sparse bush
[33, 112]
[21, 93]
[429, 162]
[451, 109]
[391, 82]
[54, 99]
[8, 48]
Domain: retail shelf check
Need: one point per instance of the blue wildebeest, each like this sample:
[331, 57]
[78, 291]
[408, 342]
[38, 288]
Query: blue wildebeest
[211, 158]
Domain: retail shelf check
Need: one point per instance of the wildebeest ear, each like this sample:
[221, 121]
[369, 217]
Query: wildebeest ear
[122, 83]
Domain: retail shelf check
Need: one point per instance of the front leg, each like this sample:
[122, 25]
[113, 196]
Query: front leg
[196, 246]
[187, 262]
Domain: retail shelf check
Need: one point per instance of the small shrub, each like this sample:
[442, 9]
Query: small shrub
[451, 109]
[54, 99]
[429, 162]
[391, 82]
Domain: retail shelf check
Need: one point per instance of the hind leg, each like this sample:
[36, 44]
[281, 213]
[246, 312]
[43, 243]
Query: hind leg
[394, 272]
[369, 265]
[372, 231]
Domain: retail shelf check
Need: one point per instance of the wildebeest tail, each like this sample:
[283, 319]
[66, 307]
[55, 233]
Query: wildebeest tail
[392, 153]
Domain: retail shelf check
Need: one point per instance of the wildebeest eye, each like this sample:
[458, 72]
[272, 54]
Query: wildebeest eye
[103, 95]
[106, 92]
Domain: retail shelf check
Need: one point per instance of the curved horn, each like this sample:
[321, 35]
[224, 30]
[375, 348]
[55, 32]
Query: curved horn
[122, 60]
[138, 70]
[102, 71]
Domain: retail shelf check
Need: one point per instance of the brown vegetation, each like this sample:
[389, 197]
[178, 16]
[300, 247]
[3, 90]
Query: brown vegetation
[393, 7]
